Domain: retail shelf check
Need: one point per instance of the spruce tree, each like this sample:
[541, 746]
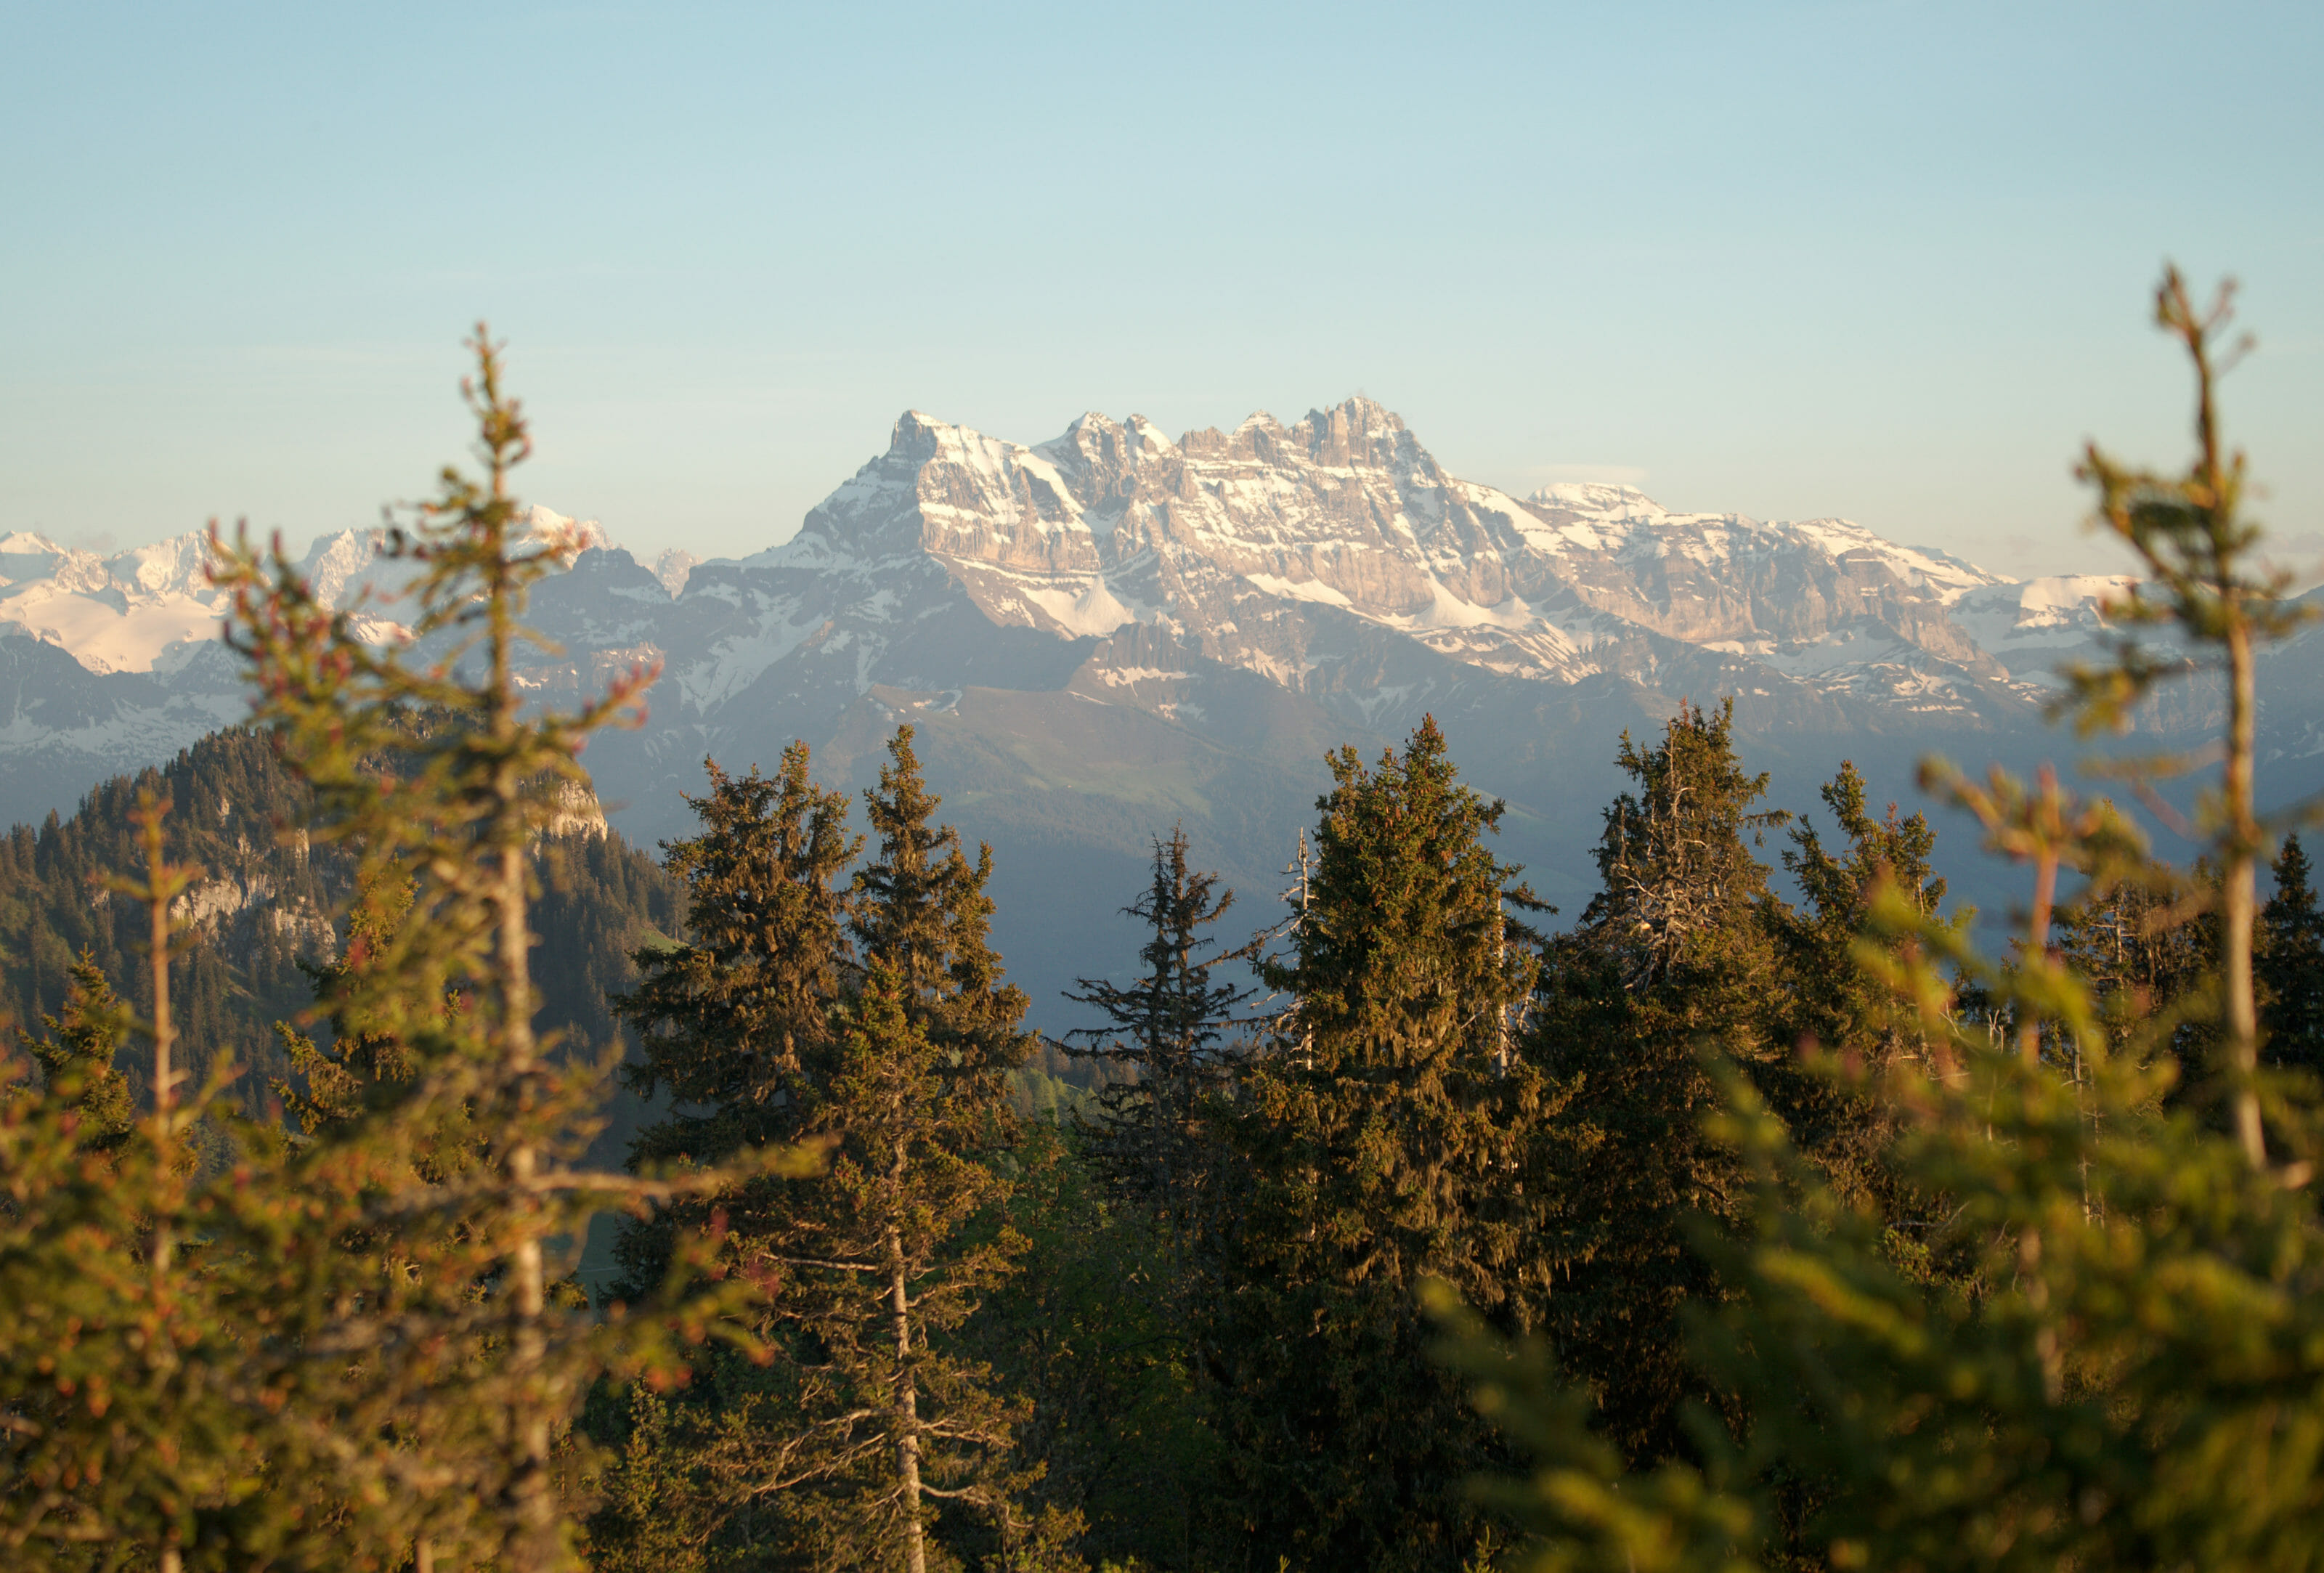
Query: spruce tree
[727, 1018]
[77, 1057]
[423, 1354]
[2291, 964]
[727, 1021]
[731, 1024]
[932, 1023]
[2134, 1375]
[1151, 1143]
[1676, 950]
[143, 1424]
[1377, 1137]
[920, 906]
[871, 1025]
[1827, 1009]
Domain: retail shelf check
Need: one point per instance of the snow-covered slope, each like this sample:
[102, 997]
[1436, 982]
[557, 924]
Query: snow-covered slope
[1251, 546]
[136, 611]
[1201, 582]
[109, 664]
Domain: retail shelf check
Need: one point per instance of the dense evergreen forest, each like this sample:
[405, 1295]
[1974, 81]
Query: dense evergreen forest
[1405, 1224]
[266, 901]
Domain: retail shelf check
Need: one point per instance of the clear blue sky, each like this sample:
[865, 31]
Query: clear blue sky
[1882, 260]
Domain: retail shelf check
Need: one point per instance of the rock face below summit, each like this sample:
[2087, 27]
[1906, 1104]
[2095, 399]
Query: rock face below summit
[1243, 543]
[1112, 632]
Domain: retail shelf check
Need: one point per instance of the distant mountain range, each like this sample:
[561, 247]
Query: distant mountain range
[1110, 631]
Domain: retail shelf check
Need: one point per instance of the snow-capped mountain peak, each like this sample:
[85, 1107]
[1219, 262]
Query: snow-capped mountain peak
[1332, 561]
[135, 611]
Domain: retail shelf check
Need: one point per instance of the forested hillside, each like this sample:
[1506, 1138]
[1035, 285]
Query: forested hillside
[1746, 1215]
[266, 898]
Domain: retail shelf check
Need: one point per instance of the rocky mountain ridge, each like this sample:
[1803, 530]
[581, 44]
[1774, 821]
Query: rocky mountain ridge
[1112, 629]
[1219, 534]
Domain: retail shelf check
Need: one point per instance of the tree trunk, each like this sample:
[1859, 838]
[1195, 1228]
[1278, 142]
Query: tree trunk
[2238, 897]
[529, 1493]
[165, 1090]
[908, 1411]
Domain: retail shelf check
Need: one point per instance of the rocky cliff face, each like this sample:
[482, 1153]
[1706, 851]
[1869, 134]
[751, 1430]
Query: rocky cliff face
[1263, 548]
[1111, 631]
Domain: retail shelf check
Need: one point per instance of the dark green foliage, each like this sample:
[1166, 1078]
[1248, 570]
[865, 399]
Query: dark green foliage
[1162, 1040]
[869, 1024]
[234, 811]
[76, 1058]
[920, 907]
[2290, 965]
[601, 901]
[1375, 1141]
[1829, 1007]
[2129, 1372]
[1677, 949]
[1089, 1330]
[726, 1020]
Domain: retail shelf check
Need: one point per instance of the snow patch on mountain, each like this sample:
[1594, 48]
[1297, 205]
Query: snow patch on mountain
[673, 568]
[140, 610]
[1332, 558]
[2034, 627]
[110, 633]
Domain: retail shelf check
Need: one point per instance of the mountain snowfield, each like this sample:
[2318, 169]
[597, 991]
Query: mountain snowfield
[1110, 525]
[1218, 536]
[1113, 629]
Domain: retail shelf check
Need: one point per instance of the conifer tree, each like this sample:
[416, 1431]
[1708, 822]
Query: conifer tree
[1150, 1145]
[730, 1015]
[1828, 1007]
[140, 1430]
[934, 1022]
[885, 1043]
[77, 1057]
[2291, 964]
[427, 1359]
[869, 1269]
[1677, 947]
[732, 1025]
[2135, 1377]
[1378, 1138]
[920, 906]
[728, 1022]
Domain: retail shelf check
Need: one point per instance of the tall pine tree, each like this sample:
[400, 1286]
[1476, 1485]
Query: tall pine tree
[424, 1354]
[872, 1024]
[1152, 1145]
[1377, 1139]
[727, 1021]
[1675, 952]
[1828, 1009]
[2291, 964]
